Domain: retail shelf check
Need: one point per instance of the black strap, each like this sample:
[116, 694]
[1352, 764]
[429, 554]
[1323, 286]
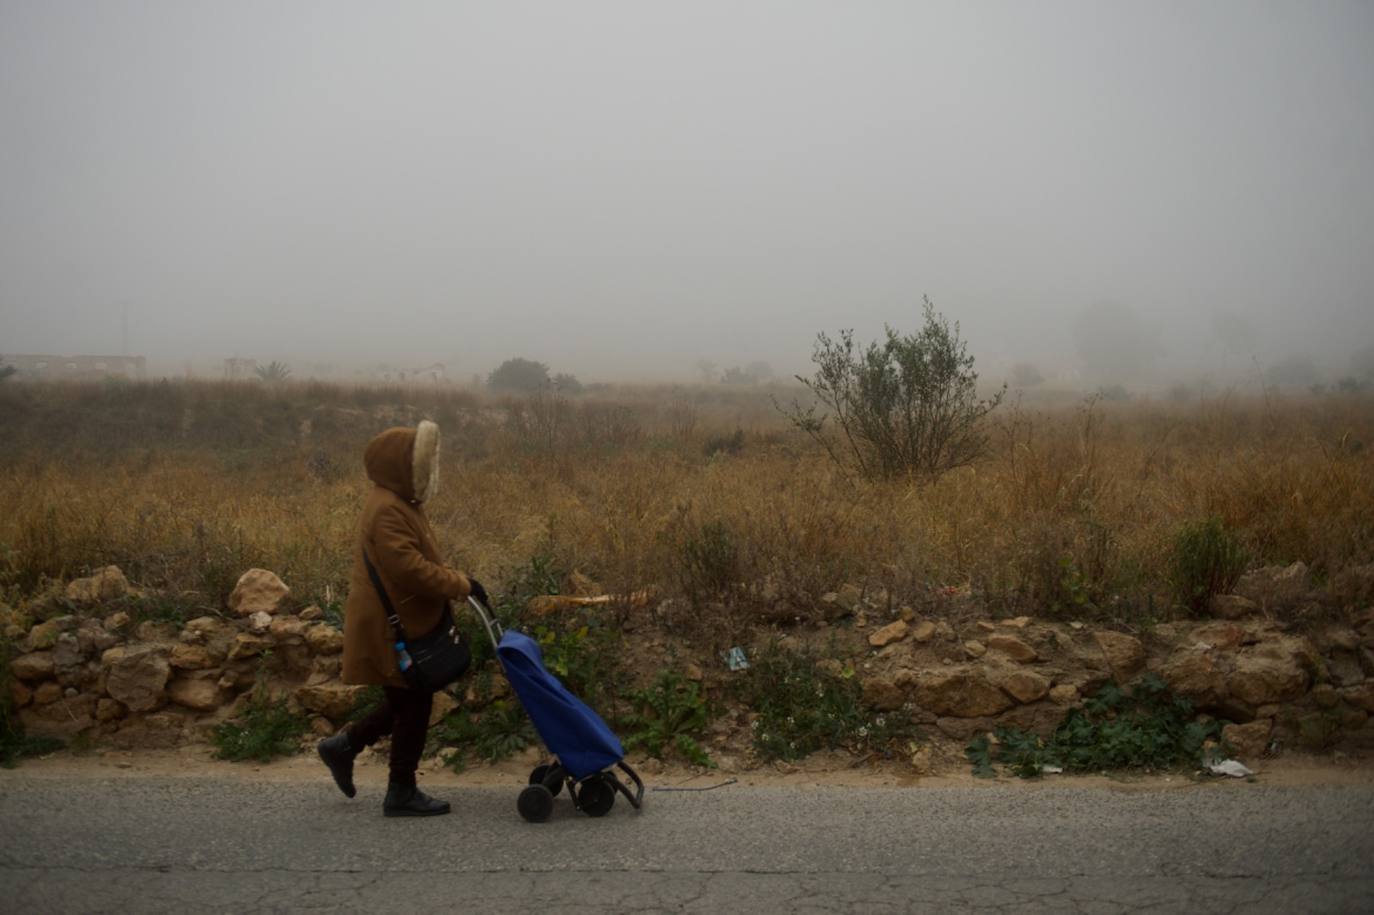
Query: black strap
[391, 616]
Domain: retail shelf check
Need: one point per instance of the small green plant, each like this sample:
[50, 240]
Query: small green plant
[266, 728]
[724, 444]
[584, 653]
[498, 731]
[1147, 728]
[1207, 559]
[804, 706]
[670, 713]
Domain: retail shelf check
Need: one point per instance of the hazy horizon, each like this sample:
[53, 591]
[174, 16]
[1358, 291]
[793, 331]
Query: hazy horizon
[622, 189]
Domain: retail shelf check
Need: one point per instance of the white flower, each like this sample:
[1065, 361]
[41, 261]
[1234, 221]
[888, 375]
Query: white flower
[863, 731]
[881, 722]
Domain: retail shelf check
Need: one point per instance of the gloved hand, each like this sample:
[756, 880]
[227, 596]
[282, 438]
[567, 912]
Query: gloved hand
[476, 590]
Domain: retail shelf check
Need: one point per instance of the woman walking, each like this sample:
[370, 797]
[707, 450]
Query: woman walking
[397, 539]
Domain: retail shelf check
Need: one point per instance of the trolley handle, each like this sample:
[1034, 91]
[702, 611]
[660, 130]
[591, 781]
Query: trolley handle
[494, 630]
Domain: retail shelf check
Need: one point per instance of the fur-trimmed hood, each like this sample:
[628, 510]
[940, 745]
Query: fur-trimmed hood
[406, 461]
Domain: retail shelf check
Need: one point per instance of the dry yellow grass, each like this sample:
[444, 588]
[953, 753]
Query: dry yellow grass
[185, 486]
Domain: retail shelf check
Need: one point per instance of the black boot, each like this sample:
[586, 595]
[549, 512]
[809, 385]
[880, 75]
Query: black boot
[409, 801]
[338, 754]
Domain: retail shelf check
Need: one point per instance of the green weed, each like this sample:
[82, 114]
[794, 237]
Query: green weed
[803, 708]
[264, 729]
[669, 713]
[1207, 559]
[498, 731]
[1147, 728]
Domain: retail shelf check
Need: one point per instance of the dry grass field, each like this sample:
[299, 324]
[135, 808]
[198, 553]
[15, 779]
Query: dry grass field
[1076, 511]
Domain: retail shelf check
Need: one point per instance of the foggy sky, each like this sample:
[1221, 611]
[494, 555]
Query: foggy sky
[621, 189]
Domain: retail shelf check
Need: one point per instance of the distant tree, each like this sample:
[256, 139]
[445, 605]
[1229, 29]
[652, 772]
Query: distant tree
[907, 404]
[567, 383]
[710, 372]
[518, 374]
[1025, 375]
[736, 375]
[1114, 344]
[273, 372]
[6, 370]
[760, 371]
[1362, 363]
[1294, 370]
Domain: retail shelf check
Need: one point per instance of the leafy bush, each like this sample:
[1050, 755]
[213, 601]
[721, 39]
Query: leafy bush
[1207, 559]
[1147, 728]
[273, 372]
[731, 444]
[567, 383]
[523, 375]
[266, 728]
[803, 708]
[711, 564]
[907, 405]
[670, 713]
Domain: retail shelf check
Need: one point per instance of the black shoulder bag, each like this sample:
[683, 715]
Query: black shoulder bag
[433, 660]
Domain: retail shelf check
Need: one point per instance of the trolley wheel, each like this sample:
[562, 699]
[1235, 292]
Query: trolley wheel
[595, 796]
[535, 803]
[539, 776]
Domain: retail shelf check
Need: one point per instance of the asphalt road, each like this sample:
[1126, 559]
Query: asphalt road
[191, 844]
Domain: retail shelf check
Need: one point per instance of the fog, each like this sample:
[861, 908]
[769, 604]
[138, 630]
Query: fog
[623, 189]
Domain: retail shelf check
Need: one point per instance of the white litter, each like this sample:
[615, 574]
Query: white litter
[1052, 770]
[1232, 767]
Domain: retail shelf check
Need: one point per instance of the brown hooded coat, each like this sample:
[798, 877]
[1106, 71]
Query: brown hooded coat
[401, 544]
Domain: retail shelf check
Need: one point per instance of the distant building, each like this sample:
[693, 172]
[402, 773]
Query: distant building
[41, 367]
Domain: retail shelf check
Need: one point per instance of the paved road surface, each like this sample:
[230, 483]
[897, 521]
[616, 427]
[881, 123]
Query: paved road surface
[187, 845]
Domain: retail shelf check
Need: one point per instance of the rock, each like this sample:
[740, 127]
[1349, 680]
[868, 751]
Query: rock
[975, 649]
[47, 693]
[1325, 695]
[1221, 636]
[945, 631]
[332, 700]
[1232, 606]
[1361, 696]
[1017, 622]
[260, 622]
[1193, 675]
[151, 631]
[960, 693]
[190, 657]
[1023, 685]
[107, 584]
[1338, 637]
[36, 665]
[1249, 741]
[198, 695]
[923, 631]
[137, 675]
[66, 655]
[922, 760]
[44, 635]
[1064, 694]
[94, 639]
[248, 645]
[326, 668]
[321, 726]
[258, 591]
[443, 704]
[205, 627]
[1275, 587]
[107, 709]
[1124, 653]
[849, 597]
[1012, 647]
[692, 671]
[311, 613]
[905, 613]
[324, 639]
[1258, 679]
[286, 628]
[986, 626]
[117, 621]
[883, 694]
[892, 632]
[1353, 586]
[20, 694]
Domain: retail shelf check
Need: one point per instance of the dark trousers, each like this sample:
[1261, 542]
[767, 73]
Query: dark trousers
[404, 714]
